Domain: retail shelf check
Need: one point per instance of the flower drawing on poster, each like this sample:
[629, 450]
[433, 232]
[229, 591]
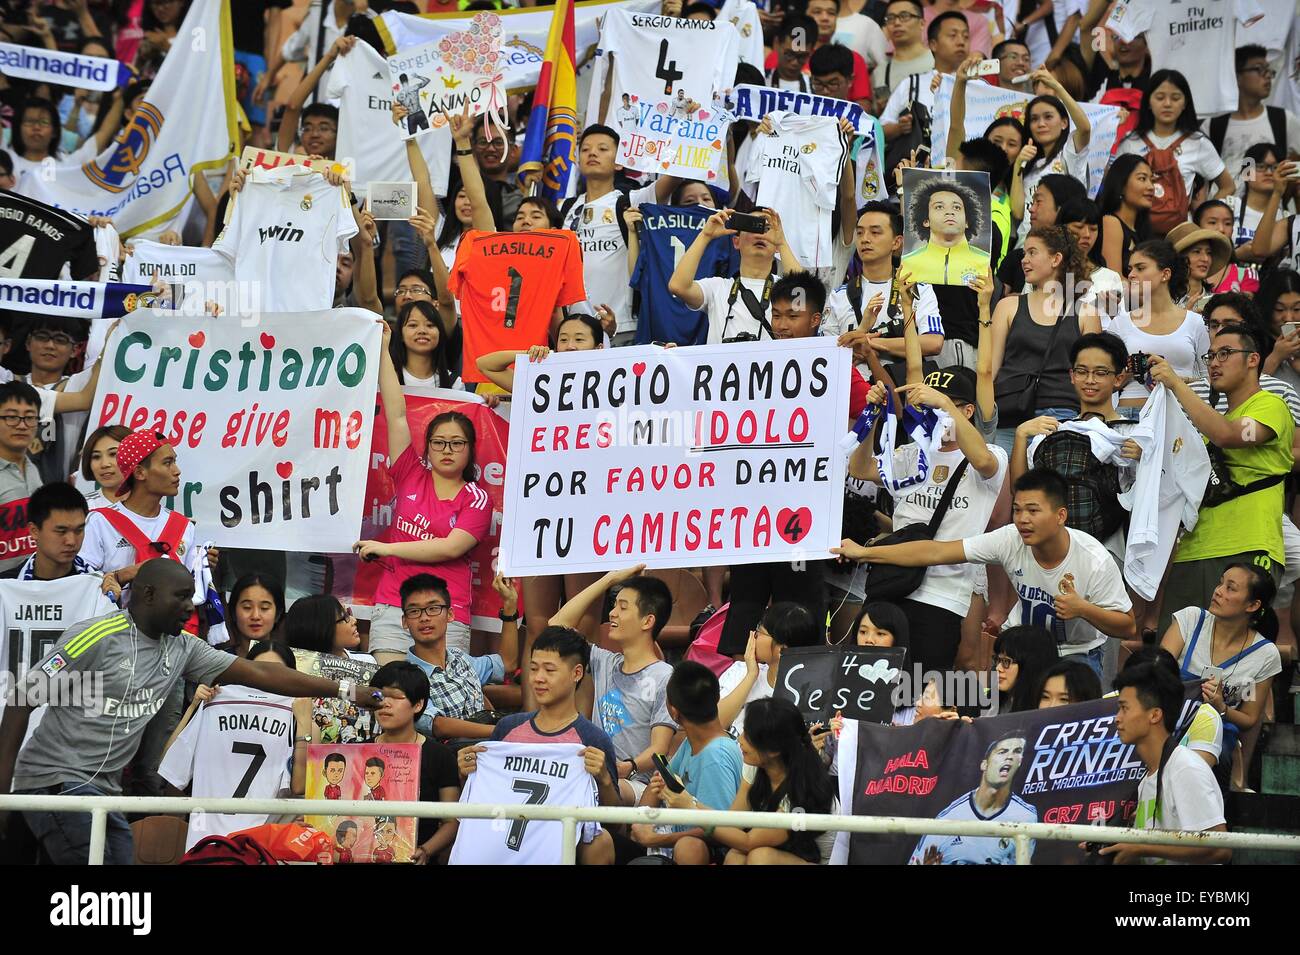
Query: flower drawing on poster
[461, 72]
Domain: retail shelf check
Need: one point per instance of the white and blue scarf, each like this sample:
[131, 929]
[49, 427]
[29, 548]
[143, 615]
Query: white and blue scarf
[76, 299]
[925, 426]
[62, 69]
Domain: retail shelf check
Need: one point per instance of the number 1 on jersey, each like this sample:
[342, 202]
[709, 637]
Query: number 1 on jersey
[512, 300]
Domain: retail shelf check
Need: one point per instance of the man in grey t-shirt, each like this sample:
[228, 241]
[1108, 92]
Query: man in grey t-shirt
[103, 680]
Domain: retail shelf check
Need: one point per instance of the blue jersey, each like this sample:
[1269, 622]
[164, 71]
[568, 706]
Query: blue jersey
[666, 233]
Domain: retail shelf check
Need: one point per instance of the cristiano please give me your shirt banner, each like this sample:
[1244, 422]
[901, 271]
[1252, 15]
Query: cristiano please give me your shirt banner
[681, 457]
[1062, 765]
[270, 419]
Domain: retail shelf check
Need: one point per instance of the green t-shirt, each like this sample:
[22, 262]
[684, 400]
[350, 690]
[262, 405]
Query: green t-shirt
[1253, 521]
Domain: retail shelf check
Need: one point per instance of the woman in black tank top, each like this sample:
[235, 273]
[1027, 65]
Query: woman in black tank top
[1125, 200]
[1027, 342]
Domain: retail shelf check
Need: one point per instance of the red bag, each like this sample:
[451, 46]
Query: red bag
[1170, 206]
[704, 648]
[236, 849]
[291, 842]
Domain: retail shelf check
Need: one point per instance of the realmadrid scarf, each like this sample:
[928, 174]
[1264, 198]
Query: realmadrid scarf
[76, 299]
[62, 69]
[925, 426]
[28, 570]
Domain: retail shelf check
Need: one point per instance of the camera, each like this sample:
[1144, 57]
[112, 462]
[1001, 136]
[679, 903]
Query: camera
[742, 337]
[1139, 364]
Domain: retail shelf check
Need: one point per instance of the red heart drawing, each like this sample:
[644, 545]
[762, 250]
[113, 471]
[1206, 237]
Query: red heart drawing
[717, 144]
[285, 468]
[197, 339]
[793, 526]
[638, 368]
[635, 98]
[712, 174]
[704, 114]
[665, 164]
[268, 341]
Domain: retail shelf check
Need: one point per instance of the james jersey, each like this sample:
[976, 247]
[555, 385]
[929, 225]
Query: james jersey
[36, 240]
[967, 850]
[798, 174]
[34, 614]
[550, 774]
[237, 745]
[508, 285]
[666, 233]
[286, 233]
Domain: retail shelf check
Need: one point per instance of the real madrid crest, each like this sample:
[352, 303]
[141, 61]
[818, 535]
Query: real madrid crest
[1067, 581]
[1178, 445]
[808, 147]
[607, 217]
[305, 205]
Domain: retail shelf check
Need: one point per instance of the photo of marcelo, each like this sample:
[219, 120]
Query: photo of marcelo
[948, 229]
[991, 801]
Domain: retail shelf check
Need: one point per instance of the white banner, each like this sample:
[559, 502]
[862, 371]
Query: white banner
[432, 79]
[184, 124]
[985, 103]
[270, 420]
[524, 34]
[681, 457]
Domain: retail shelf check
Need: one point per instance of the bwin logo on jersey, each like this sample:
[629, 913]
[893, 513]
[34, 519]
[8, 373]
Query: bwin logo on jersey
[281, 233]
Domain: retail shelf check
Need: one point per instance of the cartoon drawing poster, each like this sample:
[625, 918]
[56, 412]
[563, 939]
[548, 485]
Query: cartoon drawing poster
[382, 772]
[461, 69]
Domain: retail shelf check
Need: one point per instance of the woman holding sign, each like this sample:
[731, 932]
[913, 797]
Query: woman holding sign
[544, 595]
[439, 515]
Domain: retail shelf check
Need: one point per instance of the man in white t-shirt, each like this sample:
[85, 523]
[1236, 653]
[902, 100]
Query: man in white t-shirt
[936, 608]
[1252, 122]
[594, 217]
[1065, 581]
[1179, 790]
[948, 36]
[738, 306]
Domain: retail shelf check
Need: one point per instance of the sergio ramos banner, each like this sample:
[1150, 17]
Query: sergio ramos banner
[679, 457]
[271, 427]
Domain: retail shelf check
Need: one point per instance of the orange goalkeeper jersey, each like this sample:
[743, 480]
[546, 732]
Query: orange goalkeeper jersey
[508, 285]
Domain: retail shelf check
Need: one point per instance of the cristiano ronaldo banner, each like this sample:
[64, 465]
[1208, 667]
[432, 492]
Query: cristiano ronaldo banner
[1060, 765]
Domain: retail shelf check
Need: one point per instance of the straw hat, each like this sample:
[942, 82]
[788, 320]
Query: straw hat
[1182, 237]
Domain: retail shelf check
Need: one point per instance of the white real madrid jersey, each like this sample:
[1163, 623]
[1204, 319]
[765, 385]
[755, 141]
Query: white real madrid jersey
[285, 235]
[551, 774]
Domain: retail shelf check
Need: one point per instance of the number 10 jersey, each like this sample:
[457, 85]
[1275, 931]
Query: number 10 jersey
[508, 285]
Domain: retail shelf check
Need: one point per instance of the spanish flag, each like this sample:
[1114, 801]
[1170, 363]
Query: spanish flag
[551, 141]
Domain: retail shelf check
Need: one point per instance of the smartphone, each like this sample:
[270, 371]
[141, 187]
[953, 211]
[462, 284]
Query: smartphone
[1212, 673]
[1289, 328]
[984, 68]
[744, 222]
[1022, 78]
[661, 766]
[1294, 173]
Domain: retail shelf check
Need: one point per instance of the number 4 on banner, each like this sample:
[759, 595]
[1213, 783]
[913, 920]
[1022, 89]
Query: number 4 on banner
[667, 71]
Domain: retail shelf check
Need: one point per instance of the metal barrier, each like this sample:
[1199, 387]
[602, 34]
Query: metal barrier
[1022, 832]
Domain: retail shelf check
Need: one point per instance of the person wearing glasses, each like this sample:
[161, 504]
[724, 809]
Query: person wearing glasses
[1255, 437]
[439, 516]
[904, 24]
[38, 133]
[52, 343]
[456, 679]
[1253, 123]
[19, 416]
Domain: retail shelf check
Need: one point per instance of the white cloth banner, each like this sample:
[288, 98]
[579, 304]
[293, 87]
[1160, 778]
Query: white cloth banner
[668, 77]
[184, 125]
[682, 457]
[270, 420]
[985, 103]
[524, 34]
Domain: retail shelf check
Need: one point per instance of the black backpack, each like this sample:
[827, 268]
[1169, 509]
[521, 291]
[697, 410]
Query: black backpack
[1092, 488]
[1276, 122]
[902, 147]
[621, 205]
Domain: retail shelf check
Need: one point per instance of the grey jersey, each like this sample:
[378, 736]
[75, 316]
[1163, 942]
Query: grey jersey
[630, 705]
[107, 680]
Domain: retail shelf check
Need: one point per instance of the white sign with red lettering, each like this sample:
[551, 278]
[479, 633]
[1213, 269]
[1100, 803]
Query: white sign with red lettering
[683, 457]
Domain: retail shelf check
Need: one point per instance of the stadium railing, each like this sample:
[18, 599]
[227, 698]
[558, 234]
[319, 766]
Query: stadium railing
[1022, 833]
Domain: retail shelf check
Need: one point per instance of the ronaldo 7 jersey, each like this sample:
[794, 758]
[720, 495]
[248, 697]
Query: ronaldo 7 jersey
[550, 774]
[508, 285]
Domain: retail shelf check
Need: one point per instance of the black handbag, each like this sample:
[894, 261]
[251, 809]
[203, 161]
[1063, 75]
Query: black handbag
[1018, 395]
[889, 582]
[1220, 488]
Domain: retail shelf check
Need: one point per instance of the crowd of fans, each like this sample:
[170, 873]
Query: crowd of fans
[1173, 285]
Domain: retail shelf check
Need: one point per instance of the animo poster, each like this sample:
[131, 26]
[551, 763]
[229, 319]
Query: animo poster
[378, 772]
